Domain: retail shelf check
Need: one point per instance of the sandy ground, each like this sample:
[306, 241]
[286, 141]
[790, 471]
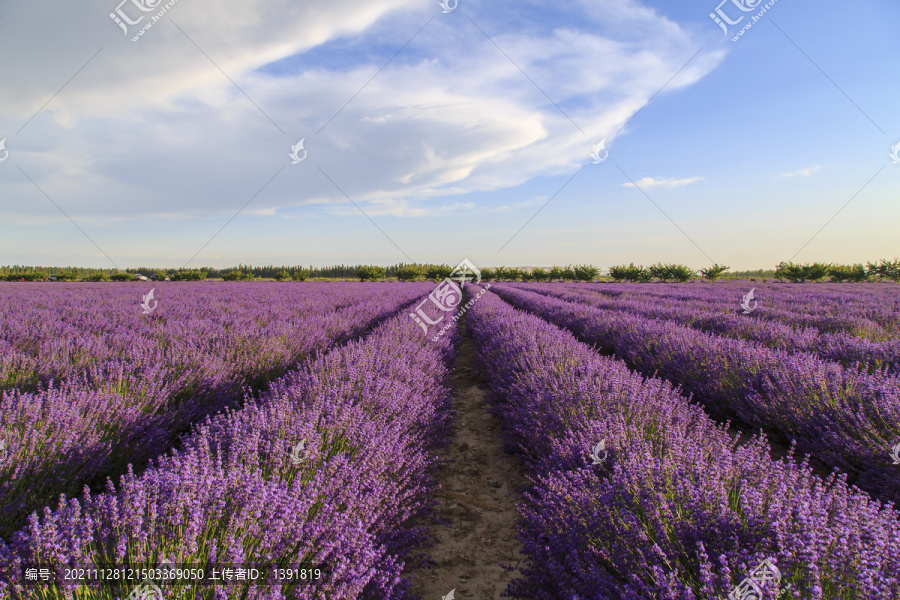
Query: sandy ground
[479, 489]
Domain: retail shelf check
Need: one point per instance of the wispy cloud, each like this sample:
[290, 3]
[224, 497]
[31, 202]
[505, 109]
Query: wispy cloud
[802, 172]
[670, 182]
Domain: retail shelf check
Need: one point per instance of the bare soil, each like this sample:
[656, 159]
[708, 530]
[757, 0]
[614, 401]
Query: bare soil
[480, 486]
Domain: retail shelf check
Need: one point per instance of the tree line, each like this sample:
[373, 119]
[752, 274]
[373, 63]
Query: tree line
[871, 271]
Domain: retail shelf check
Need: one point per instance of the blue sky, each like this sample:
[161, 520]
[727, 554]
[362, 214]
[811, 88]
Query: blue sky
[174, 150]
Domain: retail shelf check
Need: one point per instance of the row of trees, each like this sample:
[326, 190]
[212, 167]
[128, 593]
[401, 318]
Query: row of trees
[885, 269]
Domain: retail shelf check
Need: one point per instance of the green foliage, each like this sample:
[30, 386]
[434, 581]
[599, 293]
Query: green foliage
[509, 274]
[300, 275]
[671, 272]
[236, 276]
[283, 276]
[370, 273]
[790, 271]
[568, 274]
[488, 274]
[539, 274]
[121, 277]
[816, 271]
[27, 276]
[94, 277]
[714, 272]
[438, 272]
[630, 273]
[800, 273]
[586, 272]
[188, 275]
[886, 270]
[855, 273]
[555, 273]
[408, 273]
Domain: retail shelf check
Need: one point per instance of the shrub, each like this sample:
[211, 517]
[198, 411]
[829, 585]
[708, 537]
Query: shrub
[855, 273]
[408, 273]
[886, 270]
[509, 273]
[94, 277]
[283, 275]
[586, 272]
[188, 275]
[301, 275]
[370, 273]
[488, 274]
[555, 274]
[815, 271]
[568, 274]
[790, 271]
[30, 276]
[236, 276]
[630, 273]
[714, 272]
[121, 277]
[438, 272]
[538, 274]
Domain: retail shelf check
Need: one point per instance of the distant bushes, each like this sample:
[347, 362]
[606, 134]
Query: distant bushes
[370, 273]
[29, 276]
[237, 276]
[408, 273]
[714, 272]
[188, 275]
[856, 273]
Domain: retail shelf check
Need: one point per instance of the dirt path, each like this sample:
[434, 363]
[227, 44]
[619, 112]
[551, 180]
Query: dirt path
[479, 489]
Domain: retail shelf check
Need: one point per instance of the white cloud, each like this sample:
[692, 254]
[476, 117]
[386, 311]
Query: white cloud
[649, 182]
[802, 172]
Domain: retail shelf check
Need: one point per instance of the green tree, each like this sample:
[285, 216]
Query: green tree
[188, 275]
[568, 274]
[300, 275]
[555, 274]
[438, 272]
[121, 277]
[488, 274]
[815, 271]
[370, 273]
[790, 271]
[586, 272]
[283, 275]
[538, 274]
[680, 273]
[94, 277]
[714, 272]
[236, 276]
[408, 273]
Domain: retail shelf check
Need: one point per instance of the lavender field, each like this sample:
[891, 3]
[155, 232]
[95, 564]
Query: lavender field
[674, 445]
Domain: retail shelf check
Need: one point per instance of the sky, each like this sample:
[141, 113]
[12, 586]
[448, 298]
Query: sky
[513, 133]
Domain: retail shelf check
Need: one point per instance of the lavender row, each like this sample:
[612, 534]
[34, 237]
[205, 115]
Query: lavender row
[670, 507]
[326, 468]
[841, 347]
[58, 440]
[844, 418]
[864, 310]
